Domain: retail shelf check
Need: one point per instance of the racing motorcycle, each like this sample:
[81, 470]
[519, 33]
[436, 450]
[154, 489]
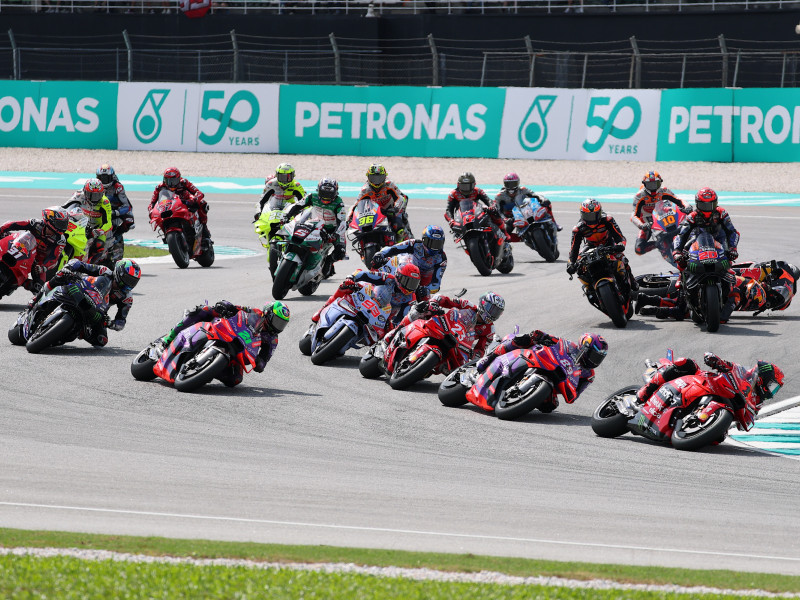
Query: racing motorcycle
[77, 236]
[201, 353]
[472, 230]
[181, 230]
[666, 223]
[704, 280]
[424, 347]
[57, 318]
[348, 322]
[267, 226]
[305, 256]
[17, 255]
[535, 226]
[691, 412]
[598, 274]
[369, 230]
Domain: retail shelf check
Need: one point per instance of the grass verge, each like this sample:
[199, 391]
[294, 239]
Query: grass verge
[132, 251]
[467, 563]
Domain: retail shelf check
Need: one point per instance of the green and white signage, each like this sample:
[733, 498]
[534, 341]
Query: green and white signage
[394, 121]
[64, 114]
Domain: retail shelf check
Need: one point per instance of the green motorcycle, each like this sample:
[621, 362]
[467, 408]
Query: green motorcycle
[305, 259]
[267, 226]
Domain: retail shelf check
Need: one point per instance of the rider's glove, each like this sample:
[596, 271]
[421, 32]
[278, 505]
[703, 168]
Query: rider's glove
[483, 363]
[379, 260]
[732, 254]
[492, 210]
[544, 201]
[618, 248]
[571, 268]
[256, 217]
[225, 308]
[688, 209]
[349, 284]
[680, 259]
[104, 271]
[715, 362]
[525, 340]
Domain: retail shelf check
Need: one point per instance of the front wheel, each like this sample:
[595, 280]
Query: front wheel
[305, 345]
[142, 366]
[694, 434]
[370, 366]
[543, 245]
[206, 258]
[283, 279]
[178, 248]
[369, 253]
[712, 307]
[50, 334]
[407, 373]
[518, 400]
[330, 349]
[607, 421]
[15, 335]
[476, 254]
[451, 392]
[609, 300]
[200, 370]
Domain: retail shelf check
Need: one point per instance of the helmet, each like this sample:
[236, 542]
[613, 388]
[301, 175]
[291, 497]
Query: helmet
[754, 294]
[284, 173]
[706, 201]
[652, 182]
[433, 238]
[591, 211]
[511, 182]
[592, 349]
[491, 306]
[407, 278]
[93, 191]
[769, 381]
[105, 173]
[779, 297]
[126, 274]
[276, 317]
[376, 175]
[55, 219]
[327, 189]
[466, 183]
[172, 178]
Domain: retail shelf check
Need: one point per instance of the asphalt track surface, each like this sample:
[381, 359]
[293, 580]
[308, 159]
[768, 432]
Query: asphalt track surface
[317, 455]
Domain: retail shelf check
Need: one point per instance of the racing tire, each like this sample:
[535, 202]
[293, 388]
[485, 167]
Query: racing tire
[142, 366]
[15, 335]
[51, 335]
[369, 253]
[332, 348]
[477, 256]
[370, 367]
[451, 392]
[305, 345]
[206, 258]
[281, 284]
[274, 257]
[309, 288]
[607, 421]
[509, 409]
[543, 245]
[205, 373]
[705, 434]
[712, 308]
[178, 248]
[408, 375]
[507, 264]
[609, 300]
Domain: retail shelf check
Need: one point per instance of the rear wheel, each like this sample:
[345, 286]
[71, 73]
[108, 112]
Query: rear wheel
[196, 373]
[49, 334]
[178, 248]
[451, 392]
[206, 259]
[476, 254]
[607, 421]
[507, 264]
[309, 288]
[543, 245]
[694, 434]
[142, 366]
[282, 282]
[330, 349]
[712, 308]
[407, 373]
[609, 300]
[514, 403]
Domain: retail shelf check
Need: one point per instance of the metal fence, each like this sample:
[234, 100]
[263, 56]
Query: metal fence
[632, 63]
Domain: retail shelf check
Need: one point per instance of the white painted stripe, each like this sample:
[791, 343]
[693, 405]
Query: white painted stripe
[771, 445]
[400, 531]
[777, 407]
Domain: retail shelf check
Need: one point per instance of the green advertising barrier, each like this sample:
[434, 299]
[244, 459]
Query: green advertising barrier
[393, 121]
[63, 114]
[766, 125]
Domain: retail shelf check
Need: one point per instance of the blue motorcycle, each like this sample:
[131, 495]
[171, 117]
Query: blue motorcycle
[534, 225]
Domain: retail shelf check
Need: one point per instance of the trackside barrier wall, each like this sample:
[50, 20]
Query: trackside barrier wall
[728, 125]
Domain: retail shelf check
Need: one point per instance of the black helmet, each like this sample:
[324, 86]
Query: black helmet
[327, 189]
[466, 183]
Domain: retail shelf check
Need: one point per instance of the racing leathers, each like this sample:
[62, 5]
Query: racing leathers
[642, 215]
[393, 204]
[194, 200]
[719, 225]
[100, 223]
[49, 247]
[121, 208]
[431, 264]
[505, 202]
[233, 373]
[456, 200]
[604, 233]
[331, 214]
[290, 193]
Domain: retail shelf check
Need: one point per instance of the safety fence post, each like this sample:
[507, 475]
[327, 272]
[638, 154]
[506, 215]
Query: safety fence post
[235, 44]
[435, 59]
[723, 48]
[15, 59]
[337, 59]
[531, 58]
[635, 79]
[128, 45]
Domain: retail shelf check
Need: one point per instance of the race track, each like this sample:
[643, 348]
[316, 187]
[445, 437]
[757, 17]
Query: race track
[317, 455]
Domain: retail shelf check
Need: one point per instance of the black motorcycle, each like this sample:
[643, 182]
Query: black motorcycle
[705, 283]
[597, 272]
[472, 230]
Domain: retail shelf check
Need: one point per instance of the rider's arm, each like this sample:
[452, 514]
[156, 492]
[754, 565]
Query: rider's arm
[732, 235]
[105, 215]
[636, 215]
[123, 308]
[405, 247]
[575, 245]
[482, 342]
[268, 192]
[683, 235]
[154, 198]
[615, 232]
[376, 277]
[667, 194]
[194, 191]
[298, 191]
[452, 205]
[297, 208]
[436, 280]
[269, 343]
[16, 226]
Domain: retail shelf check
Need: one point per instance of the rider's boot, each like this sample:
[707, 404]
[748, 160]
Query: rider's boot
[643, 300]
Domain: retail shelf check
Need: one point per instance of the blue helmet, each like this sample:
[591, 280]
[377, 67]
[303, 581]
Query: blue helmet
[433, 238]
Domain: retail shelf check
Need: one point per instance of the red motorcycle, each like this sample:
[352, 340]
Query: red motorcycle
[472, 230]
[17, 255]
[180, 229]
[424, 347]
[369, 230]
[691, 412]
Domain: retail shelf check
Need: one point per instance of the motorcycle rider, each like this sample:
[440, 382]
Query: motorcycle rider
[466, 190]
[281, 184]
[328, 206]
[506, 199]
[97, 207]
[710, 216]
[191, 196]
[588, 354]
[426, 253]
[267, 323]
[644, 201]
[397, 290]
[50, 241]
[766, 379]
[121, 209]
[392, 201]
[598, 229]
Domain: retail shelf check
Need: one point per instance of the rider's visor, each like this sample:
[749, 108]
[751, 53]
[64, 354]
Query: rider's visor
[465, 187]
[706, 206]
[376, 179]
[652, 186]
[407, 282]
[773, 388]
[105, 178]
[94, 197]
[285, 178]
[276, 323]
[172, 182]
[433, 243]
[491, 312]
[591, 217]
[592, 357]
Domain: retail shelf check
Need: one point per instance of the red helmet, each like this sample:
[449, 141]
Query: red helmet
[172, 178]
[407, 278]
[591, 211]
[706, 201]
[652, 182]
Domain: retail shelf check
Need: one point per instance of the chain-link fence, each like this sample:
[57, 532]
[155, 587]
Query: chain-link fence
[632, 63]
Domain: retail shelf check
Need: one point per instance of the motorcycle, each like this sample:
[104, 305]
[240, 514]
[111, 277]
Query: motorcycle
[181, 230]
[472, 230]
[17, 256]
[77, 241]
[348, 322]
[535, 226]
[598, 274]
[267, 226]
[691, 412]
[57, 318]
[666, 223]
[369, 230]
[305, 256]
[200, 353]
[704, 280]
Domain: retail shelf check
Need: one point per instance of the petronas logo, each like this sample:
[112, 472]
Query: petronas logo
[533, 130]
[147, 122]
